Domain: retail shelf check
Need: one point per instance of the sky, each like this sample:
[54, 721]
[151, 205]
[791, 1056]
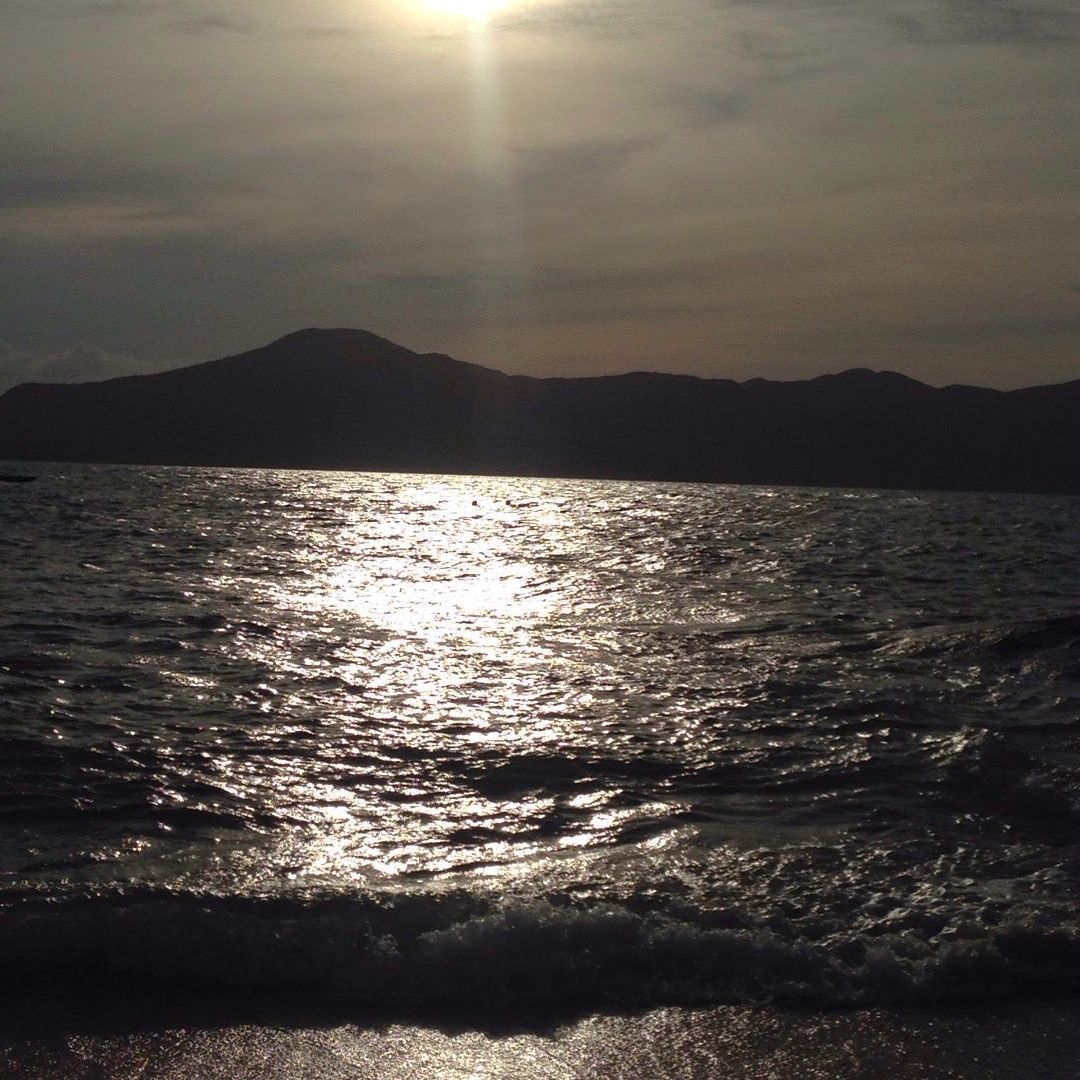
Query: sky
[729, 188]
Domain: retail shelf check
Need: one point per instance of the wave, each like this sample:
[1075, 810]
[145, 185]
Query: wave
[1059, 632]
[993, 767]
[457, 951]
[1007, 640]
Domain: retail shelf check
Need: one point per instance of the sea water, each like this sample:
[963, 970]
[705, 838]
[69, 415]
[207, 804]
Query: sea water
[441, 741]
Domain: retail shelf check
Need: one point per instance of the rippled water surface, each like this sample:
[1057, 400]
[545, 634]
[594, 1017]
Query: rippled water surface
[434, 740]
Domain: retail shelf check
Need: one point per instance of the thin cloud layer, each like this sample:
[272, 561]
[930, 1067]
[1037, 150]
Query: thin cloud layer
[80, 363]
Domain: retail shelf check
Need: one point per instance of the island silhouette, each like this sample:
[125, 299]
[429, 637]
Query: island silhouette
[349, 399]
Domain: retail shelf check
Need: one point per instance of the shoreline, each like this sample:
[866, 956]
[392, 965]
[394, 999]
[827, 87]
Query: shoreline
[62, 1033]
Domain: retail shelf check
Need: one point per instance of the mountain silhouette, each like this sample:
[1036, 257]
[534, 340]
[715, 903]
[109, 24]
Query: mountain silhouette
[348, 399]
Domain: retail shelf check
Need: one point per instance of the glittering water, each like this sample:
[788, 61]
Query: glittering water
[440, 740]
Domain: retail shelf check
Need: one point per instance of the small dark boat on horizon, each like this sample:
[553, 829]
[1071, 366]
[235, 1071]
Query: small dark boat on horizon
[15, 478]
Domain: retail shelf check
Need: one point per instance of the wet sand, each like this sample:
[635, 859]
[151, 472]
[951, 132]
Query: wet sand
[124, 1036]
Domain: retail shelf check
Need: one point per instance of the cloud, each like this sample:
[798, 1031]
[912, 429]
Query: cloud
[936, 22]
[210, 24]
[81, 8]
[56, 177]
[591, 18]
[558, 170]
[120, 7]
[705, 107]
[79, 363]
[320, 33]
[980, 22]
[947, 22]
[1002, 326]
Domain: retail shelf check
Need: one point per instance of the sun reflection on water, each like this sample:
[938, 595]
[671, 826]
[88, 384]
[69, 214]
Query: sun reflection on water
[448, 678]
[438, 602]
[457, 568]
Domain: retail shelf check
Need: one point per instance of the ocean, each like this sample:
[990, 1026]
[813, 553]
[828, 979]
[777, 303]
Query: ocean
[418, 741]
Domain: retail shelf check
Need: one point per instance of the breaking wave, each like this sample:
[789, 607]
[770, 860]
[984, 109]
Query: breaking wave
[459, 954]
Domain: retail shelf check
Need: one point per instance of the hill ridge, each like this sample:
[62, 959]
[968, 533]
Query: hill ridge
[341, 398]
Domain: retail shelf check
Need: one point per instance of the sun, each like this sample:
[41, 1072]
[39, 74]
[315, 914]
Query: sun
[477, 10]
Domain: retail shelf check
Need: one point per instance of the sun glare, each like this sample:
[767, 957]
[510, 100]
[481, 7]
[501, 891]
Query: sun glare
[477, 10]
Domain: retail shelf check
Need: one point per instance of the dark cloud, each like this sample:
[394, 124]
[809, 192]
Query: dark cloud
[768, 46]
[979, 22]
[320, 33]
[707, 107]
[121, 7]
[555, 171]
[776, 65]
[81, 7]
[569, 281]
[419, 280]
[941, 22]
[56, 178]
[210, 24]
[593, 18]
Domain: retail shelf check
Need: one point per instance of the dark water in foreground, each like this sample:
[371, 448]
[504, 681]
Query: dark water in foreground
[436, 741]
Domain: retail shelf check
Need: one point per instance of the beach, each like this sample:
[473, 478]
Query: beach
[123, 1038]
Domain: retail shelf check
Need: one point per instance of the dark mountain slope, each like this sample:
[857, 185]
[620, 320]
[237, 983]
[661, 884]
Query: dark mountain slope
[349, 399]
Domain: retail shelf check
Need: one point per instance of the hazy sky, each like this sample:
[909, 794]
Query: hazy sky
[749, 187]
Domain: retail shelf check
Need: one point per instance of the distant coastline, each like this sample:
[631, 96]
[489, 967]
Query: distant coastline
[348, 399]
